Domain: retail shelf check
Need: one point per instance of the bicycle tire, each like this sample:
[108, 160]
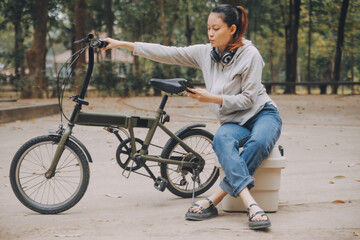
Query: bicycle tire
[54, 195]
[179, 179]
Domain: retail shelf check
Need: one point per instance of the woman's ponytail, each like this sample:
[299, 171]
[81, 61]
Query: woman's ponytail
[242, 22]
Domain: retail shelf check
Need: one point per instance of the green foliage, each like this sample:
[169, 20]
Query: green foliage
[185, 20]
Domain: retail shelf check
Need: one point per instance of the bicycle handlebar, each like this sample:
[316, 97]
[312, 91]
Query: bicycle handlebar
[85, 40]
[99, 43]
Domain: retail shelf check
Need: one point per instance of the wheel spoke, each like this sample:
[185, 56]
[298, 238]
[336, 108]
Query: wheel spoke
[201, 142]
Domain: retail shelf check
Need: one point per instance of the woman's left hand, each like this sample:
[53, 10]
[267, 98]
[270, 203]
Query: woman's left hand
[202, 95]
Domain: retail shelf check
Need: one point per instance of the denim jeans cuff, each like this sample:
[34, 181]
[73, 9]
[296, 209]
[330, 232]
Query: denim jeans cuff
[224, 185]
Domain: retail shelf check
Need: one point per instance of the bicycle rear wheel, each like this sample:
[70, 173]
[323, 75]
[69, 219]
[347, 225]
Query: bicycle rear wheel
[179, 178]
[54, 195]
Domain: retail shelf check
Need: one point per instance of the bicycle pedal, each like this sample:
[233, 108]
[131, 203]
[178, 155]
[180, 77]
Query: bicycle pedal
[160, 183]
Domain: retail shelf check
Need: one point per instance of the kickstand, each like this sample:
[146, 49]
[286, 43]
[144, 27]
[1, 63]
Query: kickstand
[195, 178]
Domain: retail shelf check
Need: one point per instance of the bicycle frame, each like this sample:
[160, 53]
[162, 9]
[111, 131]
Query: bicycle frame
[79, 117]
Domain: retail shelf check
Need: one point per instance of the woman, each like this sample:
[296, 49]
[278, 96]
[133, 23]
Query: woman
[232, 69]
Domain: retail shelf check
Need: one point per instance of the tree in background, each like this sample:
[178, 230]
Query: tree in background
[292, 45]
[109, 23]
[36, 55]
[309, 45]
[81, 32]
[181, 23]
[340, 43]
[16, 13]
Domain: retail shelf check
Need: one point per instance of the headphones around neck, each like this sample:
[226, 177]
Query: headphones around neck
[225, 58]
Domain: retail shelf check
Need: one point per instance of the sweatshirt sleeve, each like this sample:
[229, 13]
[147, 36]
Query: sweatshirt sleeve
[184, 56]
[250, 80]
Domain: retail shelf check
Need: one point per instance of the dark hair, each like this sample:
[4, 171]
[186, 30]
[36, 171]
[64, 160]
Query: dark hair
[237, 16]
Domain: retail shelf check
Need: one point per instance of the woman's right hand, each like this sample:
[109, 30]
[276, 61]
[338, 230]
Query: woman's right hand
[113, 43]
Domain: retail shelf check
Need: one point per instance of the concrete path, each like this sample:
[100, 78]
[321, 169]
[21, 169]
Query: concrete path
[319, 195]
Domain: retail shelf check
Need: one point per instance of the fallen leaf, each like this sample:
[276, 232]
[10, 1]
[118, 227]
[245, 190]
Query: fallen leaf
[196, 106]
[339, 177]
[357, 180]
[113, 196]
[99, 220]
[356, 234]
[338, 201]
[68, 235]
[332, 182]
[6, 175]
[21, 214]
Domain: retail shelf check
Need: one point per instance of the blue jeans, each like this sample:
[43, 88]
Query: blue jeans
[257, 137]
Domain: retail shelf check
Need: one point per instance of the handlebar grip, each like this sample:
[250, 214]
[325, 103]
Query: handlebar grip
[99, 43]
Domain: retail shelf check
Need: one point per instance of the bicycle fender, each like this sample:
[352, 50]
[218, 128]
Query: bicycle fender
[181, 131]
[79, 144]
[83, 148]
[190, 126]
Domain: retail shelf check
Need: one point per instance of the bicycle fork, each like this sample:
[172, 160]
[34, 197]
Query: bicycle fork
[59, 150]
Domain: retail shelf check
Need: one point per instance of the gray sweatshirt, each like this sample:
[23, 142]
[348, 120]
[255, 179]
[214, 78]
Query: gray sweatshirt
[238, 82]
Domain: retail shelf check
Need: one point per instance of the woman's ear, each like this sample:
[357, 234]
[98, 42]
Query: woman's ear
[233, 29]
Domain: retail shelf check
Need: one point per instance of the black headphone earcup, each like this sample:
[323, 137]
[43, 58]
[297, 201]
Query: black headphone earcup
[226, 58]
[215, 56]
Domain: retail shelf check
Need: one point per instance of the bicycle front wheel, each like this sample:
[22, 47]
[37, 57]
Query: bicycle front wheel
[56, 194]
[179, 178]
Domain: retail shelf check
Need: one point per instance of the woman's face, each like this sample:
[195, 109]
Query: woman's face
[218, 32]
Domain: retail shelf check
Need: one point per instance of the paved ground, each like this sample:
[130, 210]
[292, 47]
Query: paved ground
[321, 140]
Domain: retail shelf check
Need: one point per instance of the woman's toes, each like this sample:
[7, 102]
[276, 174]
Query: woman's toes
[203, 203]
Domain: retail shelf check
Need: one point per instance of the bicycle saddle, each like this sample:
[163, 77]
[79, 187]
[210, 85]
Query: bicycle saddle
[173, 85]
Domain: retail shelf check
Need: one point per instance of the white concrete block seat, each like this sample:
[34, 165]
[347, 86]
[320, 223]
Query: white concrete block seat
[267, 184]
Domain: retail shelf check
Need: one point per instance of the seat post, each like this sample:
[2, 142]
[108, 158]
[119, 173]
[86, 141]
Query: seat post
[163, 102]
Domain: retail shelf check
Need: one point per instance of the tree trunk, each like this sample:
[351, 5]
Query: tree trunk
[271, 57]
[352, 65]
[109, 22]
[19, 50]
[80, 32]
[36, 55]
[292, 45]
[309, 47]
[189, 30]
[249, 14]
[164, 34]
[340, 43]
